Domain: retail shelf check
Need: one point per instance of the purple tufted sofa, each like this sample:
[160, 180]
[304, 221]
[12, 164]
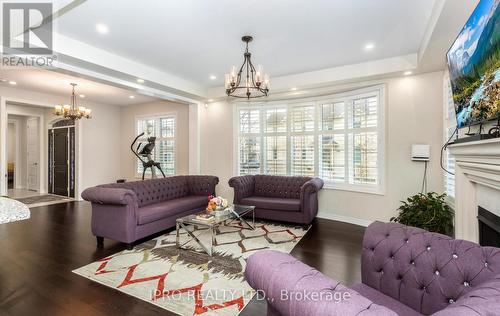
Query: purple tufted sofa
[404, 270]
[281, 198]
[133, 210]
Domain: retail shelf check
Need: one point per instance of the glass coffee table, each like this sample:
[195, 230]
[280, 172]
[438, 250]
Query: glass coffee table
[190, 224]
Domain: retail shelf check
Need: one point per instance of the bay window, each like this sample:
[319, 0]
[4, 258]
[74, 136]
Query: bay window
[339, 138]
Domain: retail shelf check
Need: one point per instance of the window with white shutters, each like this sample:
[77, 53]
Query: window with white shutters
[450, 124]
[164, 129]
[338, 138]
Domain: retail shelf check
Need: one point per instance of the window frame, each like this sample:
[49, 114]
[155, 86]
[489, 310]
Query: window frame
[449, 126]
[377, 90]
[157, 116]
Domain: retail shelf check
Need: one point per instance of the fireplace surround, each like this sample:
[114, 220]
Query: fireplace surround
[477, 170]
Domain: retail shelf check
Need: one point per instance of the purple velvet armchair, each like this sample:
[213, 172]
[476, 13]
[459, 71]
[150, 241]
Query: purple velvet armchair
[133, 210]
[404, 270]
[289, 199]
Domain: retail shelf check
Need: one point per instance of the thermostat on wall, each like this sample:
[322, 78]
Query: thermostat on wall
[420, 152]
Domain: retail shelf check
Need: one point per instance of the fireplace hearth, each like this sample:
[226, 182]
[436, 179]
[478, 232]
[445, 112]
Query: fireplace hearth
[489, 228]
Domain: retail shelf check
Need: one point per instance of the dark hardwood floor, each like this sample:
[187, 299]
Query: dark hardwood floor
[38, 255]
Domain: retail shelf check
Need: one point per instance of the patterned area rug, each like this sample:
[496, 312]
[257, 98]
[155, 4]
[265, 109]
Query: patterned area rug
[187, 281]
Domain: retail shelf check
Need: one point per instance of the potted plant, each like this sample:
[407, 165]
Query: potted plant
[428, 211]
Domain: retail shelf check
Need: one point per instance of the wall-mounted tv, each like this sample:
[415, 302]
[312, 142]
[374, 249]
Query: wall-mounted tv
[474, 65]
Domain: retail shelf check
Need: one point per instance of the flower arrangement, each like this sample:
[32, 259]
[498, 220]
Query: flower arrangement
[216, 203]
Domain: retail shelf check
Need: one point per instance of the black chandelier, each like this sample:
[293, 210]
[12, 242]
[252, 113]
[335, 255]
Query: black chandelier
[254, 85]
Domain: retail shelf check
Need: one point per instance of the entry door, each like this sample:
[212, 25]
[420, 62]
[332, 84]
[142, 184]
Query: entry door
[33, 151]
[62, 161]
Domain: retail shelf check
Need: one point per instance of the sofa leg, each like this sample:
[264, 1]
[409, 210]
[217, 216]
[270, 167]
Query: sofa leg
[100, 241]
[129, 246]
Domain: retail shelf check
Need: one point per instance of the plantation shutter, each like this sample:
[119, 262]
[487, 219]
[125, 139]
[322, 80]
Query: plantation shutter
[332, 145]
[302, 141]
[275, 141]
[450, 125]
[249, 142]
[362, 135]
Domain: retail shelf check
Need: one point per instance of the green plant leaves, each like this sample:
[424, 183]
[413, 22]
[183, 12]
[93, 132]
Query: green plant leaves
[428, 211]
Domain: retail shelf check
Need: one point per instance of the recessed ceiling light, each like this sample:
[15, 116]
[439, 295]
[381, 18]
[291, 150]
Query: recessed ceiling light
[407, 73]
[293, 89]
[102, 28]
[3, 80]
[12, 83]
[140, 80]
[210, 100]
[369, 46]
[212, 77]
[82, 95]
[131, 97]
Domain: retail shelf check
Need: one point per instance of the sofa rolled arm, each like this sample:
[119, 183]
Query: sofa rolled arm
[115, 196]
[309, 198]
[202, 185]
[294, 289]
[243, 187]
[312, 186]
[482, 300]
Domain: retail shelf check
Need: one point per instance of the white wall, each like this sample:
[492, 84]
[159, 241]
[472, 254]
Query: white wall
[413, 116]
[11, 143]
[128, 115]
[98, 139]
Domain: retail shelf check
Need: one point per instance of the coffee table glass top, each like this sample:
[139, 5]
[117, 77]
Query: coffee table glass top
[236, 212]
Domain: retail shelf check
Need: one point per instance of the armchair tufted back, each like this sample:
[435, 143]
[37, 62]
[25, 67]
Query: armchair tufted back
[155, 190]
[425, 271]
[279, 186]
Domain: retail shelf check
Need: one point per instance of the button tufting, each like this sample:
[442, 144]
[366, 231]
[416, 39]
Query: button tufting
[428, 248]
[486, 264]
[437, 272]
[466, 284]
[412, 262]
[451, 301]
[455, 256]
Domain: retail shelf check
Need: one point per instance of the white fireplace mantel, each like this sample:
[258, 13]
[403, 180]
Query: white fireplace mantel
[476, 163]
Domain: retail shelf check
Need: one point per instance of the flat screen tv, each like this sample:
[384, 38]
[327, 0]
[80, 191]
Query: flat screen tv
[474, 62]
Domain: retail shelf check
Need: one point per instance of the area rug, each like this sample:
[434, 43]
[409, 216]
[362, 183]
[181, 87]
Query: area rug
[40, 200]
[187, 281]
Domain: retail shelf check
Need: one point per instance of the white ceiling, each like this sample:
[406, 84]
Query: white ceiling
[59, 84]
[193, 39]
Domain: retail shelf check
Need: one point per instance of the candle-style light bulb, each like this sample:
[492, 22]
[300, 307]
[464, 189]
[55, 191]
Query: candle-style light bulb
[258, 74]
[233, 74]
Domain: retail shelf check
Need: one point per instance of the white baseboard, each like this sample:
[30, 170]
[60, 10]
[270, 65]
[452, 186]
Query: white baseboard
[345, 219]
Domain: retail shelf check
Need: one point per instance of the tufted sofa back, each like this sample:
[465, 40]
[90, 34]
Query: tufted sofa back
[425, 271]
[279, 186]
[155, 190]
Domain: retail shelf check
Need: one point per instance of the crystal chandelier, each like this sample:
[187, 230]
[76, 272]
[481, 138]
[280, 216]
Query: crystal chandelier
[248, 82]
[72, 111]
